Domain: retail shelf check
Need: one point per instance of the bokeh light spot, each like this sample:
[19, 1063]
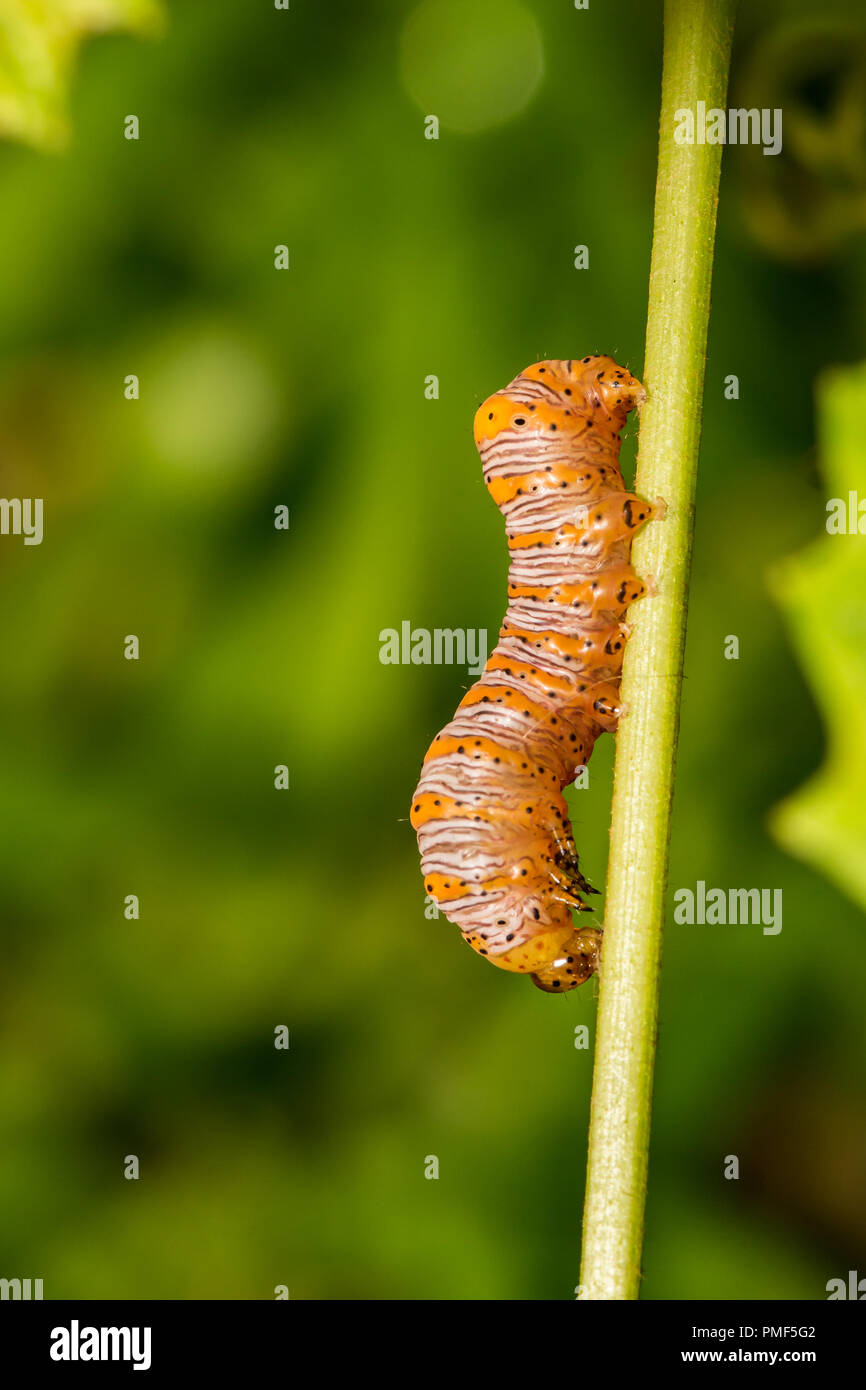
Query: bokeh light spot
[209, 404]
[474, 66]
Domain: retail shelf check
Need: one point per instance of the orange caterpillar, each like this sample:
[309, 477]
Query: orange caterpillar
[496, 846]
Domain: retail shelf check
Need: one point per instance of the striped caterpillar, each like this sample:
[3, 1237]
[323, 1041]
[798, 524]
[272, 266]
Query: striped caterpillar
[496, 846]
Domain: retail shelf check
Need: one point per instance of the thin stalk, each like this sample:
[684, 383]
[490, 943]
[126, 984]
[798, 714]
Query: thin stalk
[697, 44]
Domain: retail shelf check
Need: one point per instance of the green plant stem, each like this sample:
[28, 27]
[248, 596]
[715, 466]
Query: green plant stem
[697, 43]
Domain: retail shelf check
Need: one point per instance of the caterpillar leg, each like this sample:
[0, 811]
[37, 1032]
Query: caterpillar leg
[569, 877]
[579, 960]
[567, 861]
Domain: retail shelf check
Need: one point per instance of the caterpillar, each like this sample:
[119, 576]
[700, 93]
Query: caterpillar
[497, 850]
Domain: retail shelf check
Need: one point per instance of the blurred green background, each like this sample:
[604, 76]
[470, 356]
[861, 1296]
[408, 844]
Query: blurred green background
[408, 257]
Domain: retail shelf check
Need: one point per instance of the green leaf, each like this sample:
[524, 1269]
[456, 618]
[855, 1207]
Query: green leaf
[39, 40]
[823, 592]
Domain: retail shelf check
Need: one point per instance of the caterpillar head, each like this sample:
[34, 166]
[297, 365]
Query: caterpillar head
[595, 383]
[555, 395]
[578, 960]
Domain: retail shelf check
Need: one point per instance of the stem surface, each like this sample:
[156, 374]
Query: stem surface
[697, 45]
